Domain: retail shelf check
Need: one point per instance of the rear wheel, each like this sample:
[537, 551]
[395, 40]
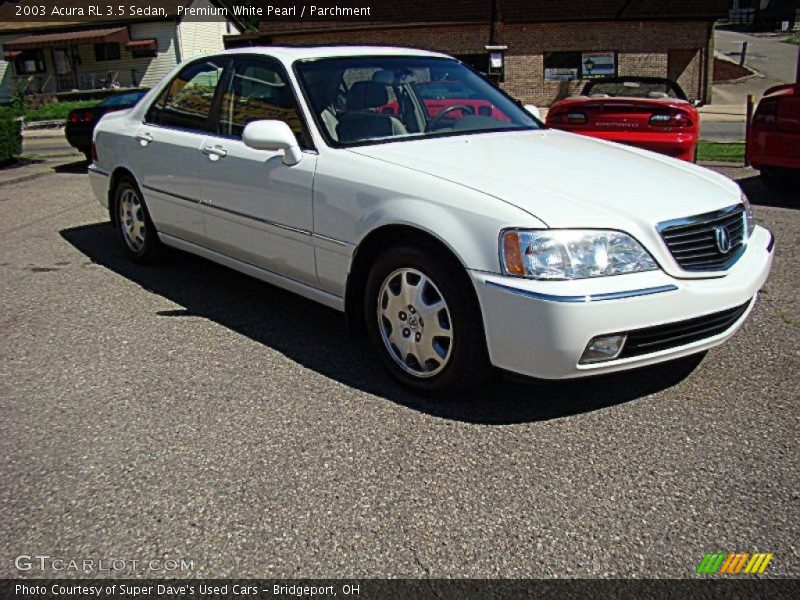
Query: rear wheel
[423, 319]
[135, 228]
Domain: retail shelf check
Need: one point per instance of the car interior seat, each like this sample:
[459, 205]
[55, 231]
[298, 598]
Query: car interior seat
[359, 121]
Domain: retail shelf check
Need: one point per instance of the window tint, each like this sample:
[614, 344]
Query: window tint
[257, 90]
[127, 99]
[187, 101]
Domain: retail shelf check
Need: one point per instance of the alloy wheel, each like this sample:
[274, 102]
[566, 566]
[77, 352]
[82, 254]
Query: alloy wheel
[414, 323]
[131, 219]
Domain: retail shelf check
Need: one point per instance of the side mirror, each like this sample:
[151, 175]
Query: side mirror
[697, 103]
[533, 110]
[273, 135]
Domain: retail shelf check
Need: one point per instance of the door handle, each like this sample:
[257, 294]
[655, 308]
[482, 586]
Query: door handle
[144, 138]
[215, 152]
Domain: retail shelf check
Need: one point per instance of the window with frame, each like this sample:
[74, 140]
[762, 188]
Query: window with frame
[107, 51]
[187, 101]
[30, 62]
[256, 90]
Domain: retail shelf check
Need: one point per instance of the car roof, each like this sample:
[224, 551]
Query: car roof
[291, 53]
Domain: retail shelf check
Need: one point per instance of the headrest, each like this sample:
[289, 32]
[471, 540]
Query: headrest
[657, 95]
[366, 94]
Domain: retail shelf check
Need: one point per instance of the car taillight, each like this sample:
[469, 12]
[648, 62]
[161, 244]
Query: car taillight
[94, 152]
[767, 112]
[73, 117]
[678, 119]
[88, 116]
[569, 118]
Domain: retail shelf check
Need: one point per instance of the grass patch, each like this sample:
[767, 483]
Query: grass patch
[48, 112]
[720, 151]
[795, 39]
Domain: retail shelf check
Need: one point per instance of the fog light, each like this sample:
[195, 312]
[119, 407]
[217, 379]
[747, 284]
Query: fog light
[604, 347]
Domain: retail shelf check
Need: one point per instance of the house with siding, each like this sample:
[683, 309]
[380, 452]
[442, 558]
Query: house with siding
[58, 57]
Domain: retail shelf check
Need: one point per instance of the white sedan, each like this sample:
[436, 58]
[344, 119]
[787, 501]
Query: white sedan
[446, 221]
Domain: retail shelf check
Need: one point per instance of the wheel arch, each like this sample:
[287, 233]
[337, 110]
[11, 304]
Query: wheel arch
[116, 175]
[371, 247]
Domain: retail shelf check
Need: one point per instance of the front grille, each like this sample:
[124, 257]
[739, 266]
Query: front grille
[693, 241]
[671, 335]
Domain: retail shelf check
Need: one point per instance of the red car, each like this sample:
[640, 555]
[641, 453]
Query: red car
[648, 112]
[451, 96]
[773, 142]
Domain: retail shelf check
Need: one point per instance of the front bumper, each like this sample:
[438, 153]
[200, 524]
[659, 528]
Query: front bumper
[540, 328]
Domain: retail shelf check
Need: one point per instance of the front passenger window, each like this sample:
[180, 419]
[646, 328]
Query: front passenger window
[187, 101]
[256, 90]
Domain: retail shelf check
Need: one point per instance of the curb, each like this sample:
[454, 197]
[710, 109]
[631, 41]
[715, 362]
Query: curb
[27, 177]
[719, 163]
[43, 170]
[52, 124]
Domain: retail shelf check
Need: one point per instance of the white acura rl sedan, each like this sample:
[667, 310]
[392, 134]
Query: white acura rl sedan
[447, 222]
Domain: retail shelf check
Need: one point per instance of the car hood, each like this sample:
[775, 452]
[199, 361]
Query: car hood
[567, 180]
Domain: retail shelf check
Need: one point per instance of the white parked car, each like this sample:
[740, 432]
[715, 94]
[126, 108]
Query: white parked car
[450, 225]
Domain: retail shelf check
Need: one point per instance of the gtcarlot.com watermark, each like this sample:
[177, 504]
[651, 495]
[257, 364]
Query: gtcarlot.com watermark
[44, 562]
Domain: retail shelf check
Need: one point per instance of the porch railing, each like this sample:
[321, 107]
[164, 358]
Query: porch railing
[48, 83]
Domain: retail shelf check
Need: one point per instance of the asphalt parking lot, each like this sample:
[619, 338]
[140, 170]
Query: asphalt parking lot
[184, 411]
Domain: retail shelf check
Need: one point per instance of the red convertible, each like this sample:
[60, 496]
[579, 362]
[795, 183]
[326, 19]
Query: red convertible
[773, 144]
[451, 99]
[648, 112]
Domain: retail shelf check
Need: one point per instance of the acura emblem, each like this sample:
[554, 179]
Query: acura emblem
[723, 239]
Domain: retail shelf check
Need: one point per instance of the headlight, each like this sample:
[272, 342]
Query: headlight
[749, 221]
[571, 254]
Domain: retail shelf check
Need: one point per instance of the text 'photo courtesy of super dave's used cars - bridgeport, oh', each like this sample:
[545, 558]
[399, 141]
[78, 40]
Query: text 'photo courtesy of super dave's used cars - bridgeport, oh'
[458, 237]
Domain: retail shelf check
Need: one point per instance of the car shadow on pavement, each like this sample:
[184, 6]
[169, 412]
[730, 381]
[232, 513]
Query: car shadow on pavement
[79, 166]
[760, 195]
[317, 338]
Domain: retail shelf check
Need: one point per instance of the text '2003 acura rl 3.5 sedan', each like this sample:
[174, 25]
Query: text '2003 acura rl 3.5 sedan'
[456, 241]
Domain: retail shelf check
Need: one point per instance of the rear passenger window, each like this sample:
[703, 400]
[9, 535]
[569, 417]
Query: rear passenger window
[188, 100]
[257, 90]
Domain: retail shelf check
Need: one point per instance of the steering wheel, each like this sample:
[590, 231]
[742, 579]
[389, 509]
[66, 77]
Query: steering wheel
[435, 121]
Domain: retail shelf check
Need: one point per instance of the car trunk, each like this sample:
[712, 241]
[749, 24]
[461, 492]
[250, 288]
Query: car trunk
[620, 115]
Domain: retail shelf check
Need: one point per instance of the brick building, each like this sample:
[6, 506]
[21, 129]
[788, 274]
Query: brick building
[549, 47]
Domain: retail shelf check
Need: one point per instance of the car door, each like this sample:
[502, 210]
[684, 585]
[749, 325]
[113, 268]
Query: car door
[257, 209]
[168, 156]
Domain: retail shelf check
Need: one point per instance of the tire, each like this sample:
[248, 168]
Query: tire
[135, 229]
[88, 155]
[404, 287]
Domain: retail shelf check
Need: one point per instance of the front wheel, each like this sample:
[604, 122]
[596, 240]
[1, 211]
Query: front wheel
[423, 319]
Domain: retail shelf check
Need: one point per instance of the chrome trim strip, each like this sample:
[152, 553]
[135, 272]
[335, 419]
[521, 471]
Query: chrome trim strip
[330, 239]
[166, 193]
[98, 170]
[586, 298]
[258, 219]
[633, 293]
[233, 212]
[703, 218]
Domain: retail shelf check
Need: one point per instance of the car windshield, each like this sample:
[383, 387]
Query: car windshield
[127, 99]
[631, 88]
[362, 100]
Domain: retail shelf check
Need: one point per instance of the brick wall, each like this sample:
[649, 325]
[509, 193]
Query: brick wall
[643, 48]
